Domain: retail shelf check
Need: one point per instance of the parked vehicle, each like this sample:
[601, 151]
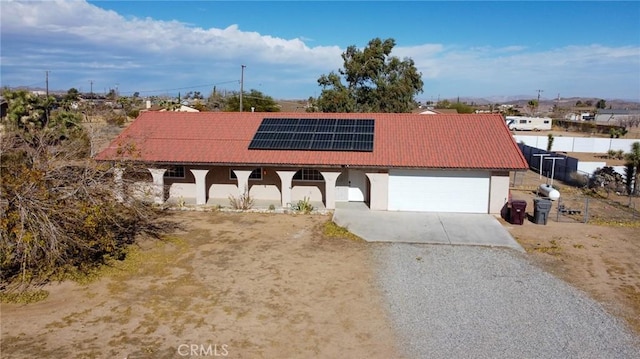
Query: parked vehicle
[521, 123]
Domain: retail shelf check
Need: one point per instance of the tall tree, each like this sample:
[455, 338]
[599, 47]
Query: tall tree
[255, 100]
[532, 105]
[633, 159]
[375, 81]
[601, 104]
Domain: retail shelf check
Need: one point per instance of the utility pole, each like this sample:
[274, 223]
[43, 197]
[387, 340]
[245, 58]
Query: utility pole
[538, 103]
[241, 85]
[46, 112]
[46, 80]
[91, 93]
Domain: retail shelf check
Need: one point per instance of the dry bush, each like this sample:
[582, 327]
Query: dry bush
[242, 202]
[59, 210]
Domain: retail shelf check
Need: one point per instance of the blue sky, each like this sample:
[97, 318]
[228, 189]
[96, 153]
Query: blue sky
[467, 49]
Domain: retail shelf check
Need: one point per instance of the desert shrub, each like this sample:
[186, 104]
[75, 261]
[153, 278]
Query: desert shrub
[116, 119]
[59, 212]
[304, 206]
[133, 113]
[242, 202]
[579, 179]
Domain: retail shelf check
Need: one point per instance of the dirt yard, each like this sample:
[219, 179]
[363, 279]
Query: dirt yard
[603, 260]
[271, 285]
[238, 285]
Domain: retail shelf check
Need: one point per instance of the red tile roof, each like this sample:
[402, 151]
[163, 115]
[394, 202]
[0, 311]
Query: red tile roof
[469, 141]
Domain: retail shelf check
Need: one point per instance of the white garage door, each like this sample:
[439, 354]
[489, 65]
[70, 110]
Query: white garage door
[439, 191]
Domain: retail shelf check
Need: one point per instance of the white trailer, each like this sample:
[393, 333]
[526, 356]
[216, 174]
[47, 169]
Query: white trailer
[521, 123]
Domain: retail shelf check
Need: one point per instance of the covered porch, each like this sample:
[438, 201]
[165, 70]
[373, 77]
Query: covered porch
[268, 187]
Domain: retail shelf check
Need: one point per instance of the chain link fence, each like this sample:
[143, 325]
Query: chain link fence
[590, 209]
[578, 204]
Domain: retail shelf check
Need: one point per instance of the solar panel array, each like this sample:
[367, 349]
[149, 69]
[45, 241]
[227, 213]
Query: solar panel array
[314, 134]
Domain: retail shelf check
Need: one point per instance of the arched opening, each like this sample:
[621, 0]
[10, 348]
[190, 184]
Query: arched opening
[308, 183]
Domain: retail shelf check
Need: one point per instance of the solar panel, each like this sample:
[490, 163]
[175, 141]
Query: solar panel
[315, 134]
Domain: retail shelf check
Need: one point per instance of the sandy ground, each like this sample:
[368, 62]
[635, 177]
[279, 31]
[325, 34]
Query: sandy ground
[271, 285]
[236, 285]
[602, 259]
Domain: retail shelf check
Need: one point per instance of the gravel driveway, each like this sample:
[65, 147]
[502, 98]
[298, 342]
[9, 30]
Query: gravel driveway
[478, 302]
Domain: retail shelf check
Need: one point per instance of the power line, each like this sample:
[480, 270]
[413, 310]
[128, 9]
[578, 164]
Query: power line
[183, 88]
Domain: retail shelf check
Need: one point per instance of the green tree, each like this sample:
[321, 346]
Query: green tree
[532, 105]
[460, 107]
[633, 159]
[253, 99]
[550, 139]
[26, 110]
[601, 104]
[375, 81]
[215, 101]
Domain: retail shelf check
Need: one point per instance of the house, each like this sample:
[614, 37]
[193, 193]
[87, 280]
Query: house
[440, 111]
[395, 162]
[616, 116]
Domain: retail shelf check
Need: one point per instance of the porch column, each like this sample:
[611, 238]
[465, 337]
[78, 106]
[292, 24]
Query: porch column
[330, 179]
[201, 185]
[117, 179]
[286, 178]
[158, 184]
[243, 181]
[379, 198]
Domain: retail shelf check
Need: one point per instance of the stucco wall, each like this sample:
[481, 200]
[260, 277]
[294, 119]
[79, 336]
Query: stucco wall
[498, 191]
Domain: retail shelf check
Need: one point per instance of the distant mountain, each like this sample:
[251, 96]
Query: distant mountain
[522, 100]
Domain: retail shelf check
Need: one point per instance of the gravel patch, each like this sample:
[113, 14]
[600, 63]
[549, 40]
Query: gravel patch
[478, 302]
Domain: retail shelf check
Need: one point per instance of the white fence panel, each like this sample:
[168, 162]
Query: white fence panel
[578, 144]
[583, 144]
[590, 167]
[564, 144]
[622, 144]
[531, 141]
[601, 145]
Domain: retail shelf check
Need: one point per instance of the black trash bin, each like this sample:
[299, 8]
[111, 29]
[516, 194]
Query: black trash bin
[541, 209]
[517, 212]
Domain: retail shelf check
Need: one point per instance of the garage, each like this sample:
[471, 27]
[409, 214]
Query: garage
[439, 191]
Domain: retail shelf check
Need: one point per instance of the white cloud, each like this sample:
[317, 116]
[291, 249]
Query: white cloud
[83, 41]
[90, 24]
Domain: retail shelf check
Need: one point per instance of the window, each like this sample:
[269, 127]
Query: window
[255, 174]
[546, 121]
[308, 174]
[174, 172]
[523, 121]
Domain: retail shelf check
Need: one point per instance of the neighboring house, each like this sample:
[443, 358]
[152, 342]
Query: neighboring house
[182, 108]
[583, 116]
[615, 116]
[440, 111]
[159, 108]
[395, 162]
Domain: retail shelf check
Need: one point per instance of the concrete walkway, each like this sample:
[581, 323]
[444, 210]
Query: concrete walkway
[423, 227]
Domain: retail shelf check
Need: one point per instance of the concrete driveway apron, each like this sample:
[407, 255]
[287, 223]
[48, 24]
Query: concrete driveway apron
[423, 227]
